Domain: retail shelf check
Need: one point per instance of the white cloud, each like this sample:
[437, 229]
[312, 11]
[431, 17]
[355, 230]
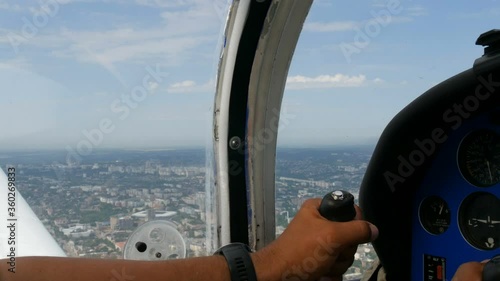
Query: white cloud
[331, 26]
[5, 5]
[181, 32]
[165, 3]
[324, 3]
[65, 2]
[18, 63]
[325, 81]
[338, 80]
[136, 46]
[190, 86]
[153, 86]
[151, 3]
[340, 26]
[218, 6]
[408, 15]
[480, 14]
[183, 84]
[402, 19]
[170, 42]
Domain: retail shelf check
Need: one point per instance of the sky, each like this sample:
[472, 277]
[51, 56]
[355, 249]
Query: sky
[68, 68]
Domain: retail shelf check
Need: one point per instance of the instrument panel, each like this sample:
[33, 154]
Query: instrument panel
[433, 183]
[457, 206]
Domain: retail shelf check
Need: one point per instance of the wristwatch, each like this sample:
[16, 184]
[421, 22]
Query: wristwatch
[239, 262]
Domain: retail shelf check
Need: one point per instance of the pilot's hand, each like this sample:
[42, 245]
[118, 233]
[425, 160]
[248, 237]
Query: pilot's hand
[471, 271]
[345, 259]
[312, 247]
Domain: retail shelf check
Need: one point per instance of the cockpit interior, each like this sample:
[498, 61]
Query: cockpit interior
[432, 185]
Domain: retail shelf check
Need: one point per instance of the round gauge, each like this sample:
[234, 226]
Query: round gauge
[479, 220]
[434, 215]
[479, 158]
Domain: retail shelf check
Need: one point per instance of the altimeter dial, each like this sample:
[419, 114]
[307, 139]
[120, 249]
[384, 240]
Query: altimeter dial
[479, 158]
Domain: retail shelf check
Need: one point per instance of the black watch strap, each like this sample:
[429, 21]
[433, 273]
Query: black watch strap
[239, 262]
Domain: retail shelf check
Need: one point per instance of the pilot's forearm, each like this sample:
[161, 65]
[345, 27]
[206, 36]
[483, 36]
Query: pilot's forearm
[80, 269]
[310, 247]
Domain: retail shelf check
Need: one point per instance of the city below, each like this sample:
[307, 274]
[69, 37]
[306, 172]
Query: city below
[93, 206]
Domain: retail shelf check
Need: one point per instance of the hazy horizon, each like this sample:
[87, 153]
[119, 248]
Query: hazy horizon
[190, 147]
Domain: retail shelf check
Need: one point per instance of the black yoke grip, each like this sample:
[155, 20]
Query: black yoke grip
[338, 206]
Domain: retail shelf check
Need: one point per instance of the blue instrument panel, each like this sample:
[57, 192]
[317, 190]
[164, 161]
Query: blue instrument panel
[456, 209]
[433, 184]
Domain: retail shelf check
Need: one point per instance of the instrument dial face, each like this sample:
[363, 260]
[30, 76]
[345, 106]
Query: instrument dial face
[479, 220]
[479, 158]
[434, 215]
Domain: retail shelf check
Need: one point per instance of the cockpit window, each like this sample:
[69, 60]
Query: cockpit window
[107, 115]
[107, 109]
[356, 66]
